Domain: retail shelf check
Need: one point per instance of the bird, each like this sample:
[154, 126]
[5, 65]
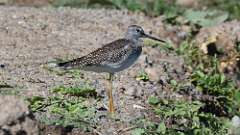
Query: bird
[112, 57]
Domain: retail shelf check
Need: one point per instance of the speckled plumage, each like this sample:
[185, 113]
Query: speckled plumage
[112, 57]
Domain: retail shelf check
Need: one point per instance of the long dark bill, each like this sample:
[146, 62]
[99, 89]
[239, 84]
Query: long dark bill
[154, 38]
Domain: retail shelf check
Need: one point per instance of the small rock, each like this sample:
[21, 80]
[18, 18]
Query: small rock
[4, 1]
[188, 3]
[11, 109]
[2, 65]
[154, 73]
[140, 92]
[164, 79]
[15, 117]
[135, 106]
[236, 121]
[131, 91]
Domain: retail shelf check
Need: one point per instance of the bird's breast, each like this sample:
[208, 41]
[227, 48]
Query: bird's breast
[128, 60]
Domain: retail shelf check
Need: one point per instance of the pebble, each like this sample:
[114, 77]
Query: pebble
[236, 121]
[154, 73]
[131, 91]
[2, 66]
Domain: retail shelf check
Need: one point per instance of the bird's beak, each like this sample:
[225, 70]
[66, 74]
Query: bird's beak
[153, 38]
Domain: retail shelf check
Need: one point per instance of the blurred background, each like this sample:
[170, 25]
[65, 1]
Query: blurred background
[170, 8]
[205, 34]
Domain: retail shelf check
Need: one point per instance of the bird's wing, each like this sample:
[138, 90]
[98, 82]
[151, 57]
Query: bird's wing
[110, 53]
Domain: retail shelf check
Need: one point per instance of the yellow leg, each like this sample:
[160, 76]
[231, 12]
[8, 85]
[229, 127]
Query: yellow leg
[110, 97]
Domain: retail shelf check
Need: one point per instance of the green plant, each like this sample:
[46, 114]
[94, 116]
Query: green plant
[74, 110]
[37, 103]
[149, 7]
[205, 18]
[142, 75]
[182, 117]
[222, 89]
[214, 84]
[196, 59]
[207, 78]
[198, 115]
[153, 100]
[6, 89]
[232, 7]
[167, 47]
[75, 91]
[71, 3]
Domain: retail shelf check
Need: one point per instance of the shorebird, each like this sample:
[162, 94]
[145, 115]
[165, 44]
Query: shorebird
[112, 57]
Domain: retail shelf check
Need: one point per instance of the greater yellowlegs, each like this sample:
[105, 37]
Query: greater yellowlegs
[113, 57]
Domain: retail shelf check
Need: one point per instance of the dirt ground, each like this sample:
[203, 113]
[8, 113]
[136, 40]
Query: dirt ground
[32, 37]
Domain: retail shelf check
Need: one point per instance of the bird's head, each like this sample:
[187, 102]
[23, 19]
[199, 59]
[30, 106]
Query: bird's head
[135, 32]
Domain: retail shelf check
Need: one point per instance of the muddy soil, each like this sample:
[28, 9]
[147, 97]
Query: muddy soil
[32, 37]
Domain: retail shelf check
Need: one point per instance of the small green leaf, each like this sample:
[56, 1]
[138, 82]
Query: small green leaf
[142, 75]
[222, 77]
[79, 91]
[200, 74]
[237, 97]
[36, 103]
[161, 128]
[173, 82]
[138, 131]
[153, 100]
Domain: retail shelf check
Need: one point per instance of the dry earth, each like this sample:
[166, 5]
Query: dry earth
[31, 37]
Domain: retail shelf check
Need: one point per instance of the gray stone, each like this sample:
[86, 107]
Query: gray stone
[236, 121]
[15, 117]
[131, 91]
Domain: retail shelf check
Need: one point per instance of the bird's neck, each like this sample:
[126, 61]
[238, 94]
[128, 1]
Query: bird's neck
[136, 42]
[132, 38]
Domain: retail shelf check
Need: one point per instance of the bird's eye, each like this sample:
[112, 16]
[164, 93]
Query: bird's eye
[138, 30]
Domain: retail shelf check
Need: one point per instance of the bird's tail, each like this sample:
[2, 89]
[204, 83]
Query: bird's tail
[57, 66]
[64, 65]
